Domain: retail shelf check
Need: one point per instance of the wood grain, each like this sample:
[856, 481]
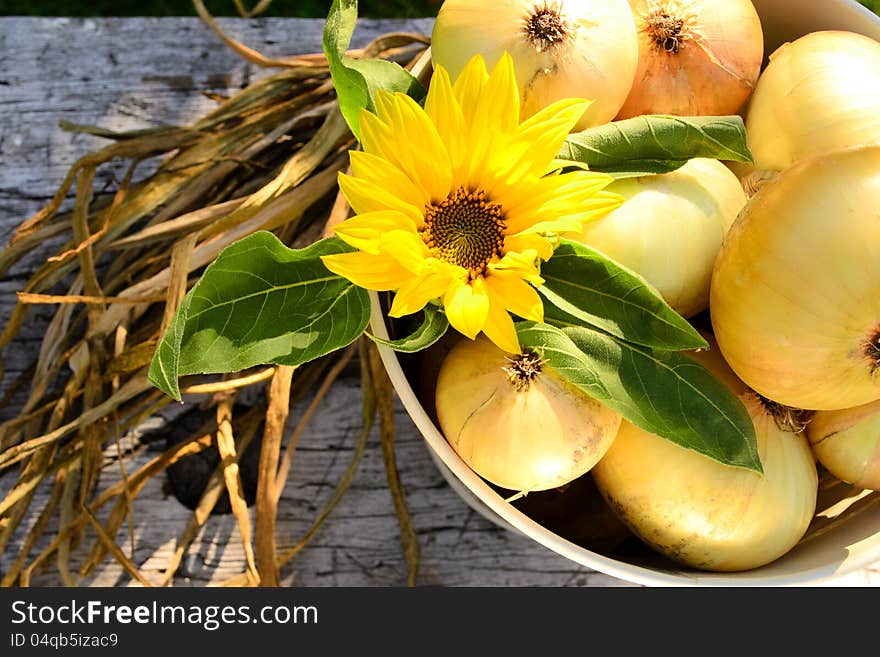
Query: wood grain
[125, 74]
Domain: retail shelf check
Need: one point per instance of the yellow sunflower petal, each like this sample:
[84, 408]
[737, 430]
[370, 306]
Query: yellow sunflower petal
[547, 129]
[415, 293]
[407, 248]
[467, 307]
[522, 264]
[493, 121]
[468, 86]
[365, 231]
[367, 196]
[499, 328]
[530, 241]
[499, 98]
[378, 138]
[367, 270]
[515, 295]
[401, 132]
[384, 102]
[445, 113]
[559, 198]
[429, 155]
[384, 174]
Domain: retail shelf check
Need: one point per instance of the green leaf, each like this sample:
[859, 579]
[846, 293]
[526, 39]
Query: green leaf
[432, 328]
[258, 303]
[663, 392]
[357, 80]
[657, 143]
[585, 284]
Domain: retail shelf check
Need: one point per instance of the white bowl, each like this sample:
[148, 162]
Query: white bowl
[845, 535]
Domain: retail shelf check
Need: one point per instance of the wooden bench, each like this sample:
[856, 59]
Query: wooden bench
[131, 73]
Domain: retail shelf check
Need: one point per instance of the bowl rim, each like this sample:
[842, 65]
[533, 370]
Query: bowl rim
[849, 14]
[490, 504]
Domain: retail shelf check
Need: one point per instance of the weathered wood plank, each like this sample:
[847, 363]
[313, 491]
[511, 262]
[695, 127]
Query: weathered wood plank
[125, 74]
[133, 73]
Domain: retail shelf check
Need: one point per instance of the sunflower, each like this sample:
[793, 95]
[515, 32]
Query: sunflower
[459, 201]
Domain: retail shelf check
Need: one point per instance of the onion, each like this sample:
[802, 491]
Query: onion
[560, 49]
[795, 293]
[847, 443]
[702, 513]
[818, 93]
[515, 422]
[696, 57]
[670, 229]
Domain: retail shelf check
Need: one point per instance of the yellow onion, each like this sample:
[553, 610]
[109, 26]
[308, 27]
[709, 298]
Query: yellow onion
[560, 48]
[670, 229]
[818, 93]
[517, 423]
[702, 513]
[847, 443]
[696, 57]
[795, 293]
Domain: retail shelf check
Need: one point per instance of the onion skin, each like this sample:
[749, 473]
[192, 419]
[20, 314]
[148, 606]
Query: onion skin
[794, 297]
[713, 72]
[847, 443]
[670, 229]
[524, 440]
[704, 514]
[597, 63]
[818, 94]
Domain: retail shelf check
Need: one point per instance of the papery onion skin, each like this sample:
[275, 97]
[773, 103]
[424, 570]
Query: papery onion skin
[794, 299]
[704, 514]
[597, 61]
[709, 70]
[847, 443]
[818, 94]
[670, 229]
[537, 438]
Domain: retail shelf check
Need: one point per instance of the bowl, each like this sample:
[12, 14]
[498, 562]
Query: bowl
[845, 534]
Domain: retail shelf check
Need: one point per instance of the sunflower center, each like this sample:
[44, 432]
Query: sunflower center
[465, 229]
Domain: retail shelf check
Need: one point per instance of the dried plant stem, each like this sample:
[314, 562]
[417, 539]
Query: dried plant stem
[332, 375]
[158, 142]
[211, 495]
[69, 480]
[181, 253]
[266, 158]
[30, 298]
[136, 482]
[340, 211]
[115, 550]
[368, 417]
[226, 447]
[194, 220]
[244, 51]
[36, 467]
[228, 385]
[132, 388]
[385, 403]
[34, 534]
[267, 496]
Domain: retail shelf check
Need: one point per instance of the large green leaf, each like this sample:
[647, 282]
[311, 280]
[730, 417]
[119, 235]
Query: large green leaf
[258, 303]
[357, 80]
[583, 283]
[433, 327]
[657, 143]
[663, 392]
